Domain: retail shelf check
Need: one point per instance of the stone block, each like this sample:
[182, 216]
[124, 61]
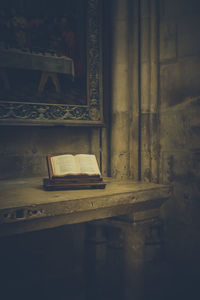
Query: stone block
[120, 90]
[145, 44]
[119, 136]
[175, 9]
[120, 9]
[120, 165]
[181, 167]
[180, 126]
[23, 149]
[145, 8]
[15, 166]
[178, 81]
[168, 37]
[188, 36]
[145, 87]
[120, 42]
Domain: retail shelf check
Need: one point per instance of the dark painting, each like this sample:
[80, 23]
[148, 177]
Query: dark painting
[43, 47]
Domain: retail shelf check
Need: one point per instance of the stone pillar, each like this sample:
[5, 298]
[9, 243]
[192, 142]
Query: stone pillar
[134, 83]
[149, 94]
[135, 93]
[135, 243]
[143, 244]
[104, 262]
[120, 91]
[95, 260]
[114, 263]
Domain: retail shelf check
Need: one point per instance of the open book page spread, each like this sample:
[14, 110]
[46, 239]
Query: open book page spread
[64, 164]
[67, 171]
[87, 164]
[79, 164]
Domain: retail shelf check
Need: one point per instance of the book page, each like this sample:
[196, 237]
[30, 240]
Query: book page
[64, 165]
[88, 164]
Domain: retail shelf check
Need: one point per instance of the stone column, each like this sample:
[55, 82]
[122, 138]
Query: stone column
[135, 244]
[135, 93]
[104, 262]
[134, 82]
[120, 91]
[95, 260]
[149, 94]
[143, 244]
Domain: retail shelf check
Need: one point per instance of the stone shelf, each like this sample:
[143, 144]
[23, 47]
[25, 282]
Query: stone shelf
[25, 206]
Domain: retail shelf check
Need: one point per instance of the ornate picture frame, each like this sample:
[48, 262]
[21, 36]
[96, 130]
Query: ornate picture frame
[90, 113]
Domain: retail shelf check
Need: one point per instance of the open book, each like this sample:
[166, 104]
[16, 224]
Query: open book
[65, 165]
[69, 171]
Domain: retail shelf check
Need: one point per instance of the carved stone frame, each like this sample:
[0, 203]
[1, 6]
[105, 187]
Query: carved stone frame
[24, 113]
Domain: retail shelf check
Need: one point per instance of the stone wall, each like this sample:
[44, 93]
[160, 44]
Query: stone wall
[158, 107]
[155, 103]
[23, 150]
[180, 125]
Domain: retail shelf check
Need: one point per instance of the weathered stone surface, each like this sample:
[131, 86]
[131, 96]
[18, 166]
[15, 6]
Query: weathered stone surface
[168, 41]
[180, 126]
[120, 93]
[27, 207]
[188, 36]
[179, 81]
[176, 8]
[23, 150]
[179, 133]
